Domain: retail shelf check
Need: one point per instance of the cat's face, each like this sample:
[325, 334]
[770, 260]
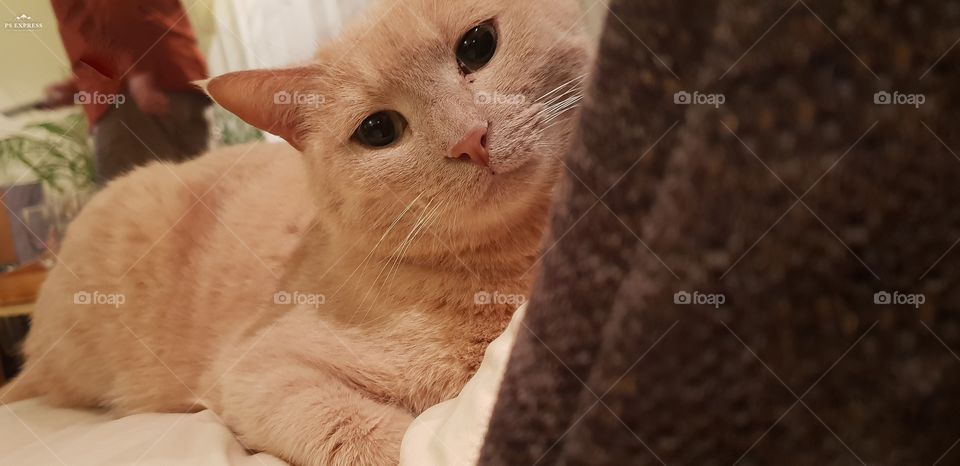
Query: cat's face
[462, 106]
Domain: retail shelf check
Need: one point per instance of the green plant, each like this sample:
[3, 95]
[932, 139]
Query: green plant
[57, 153]
[229, 130]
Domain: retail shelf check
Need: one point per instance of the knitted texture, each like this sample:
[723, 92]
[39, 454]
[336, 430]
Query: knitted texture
[788, 200]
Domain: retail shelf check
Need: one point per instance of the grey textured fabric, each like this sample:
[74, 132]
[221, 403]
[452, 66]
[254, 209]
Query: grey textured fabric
[804, 203]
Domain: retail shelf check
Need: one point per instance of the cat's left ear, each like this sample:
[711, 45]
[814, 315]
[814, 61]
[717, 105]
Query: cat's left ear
[266, 99]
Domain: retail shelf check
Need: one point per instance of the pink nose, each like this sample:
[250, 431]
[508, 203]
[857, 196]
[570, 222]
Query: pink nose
[473, 148]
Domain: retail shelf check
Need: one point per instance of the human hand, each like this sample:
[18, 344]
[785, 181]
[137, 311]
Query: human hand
[147, 96]
[60, 94]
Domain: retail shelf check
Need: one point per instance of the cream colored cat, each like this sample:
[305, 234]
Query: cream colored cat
[319, 296]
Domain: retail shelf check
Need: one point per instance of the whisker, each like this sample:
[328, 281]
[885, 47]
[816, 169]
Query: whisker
[429, 220]
[577, 89]
[393, 258]
[385, 234]
[561, 109]
[558, 88]
[554, 120]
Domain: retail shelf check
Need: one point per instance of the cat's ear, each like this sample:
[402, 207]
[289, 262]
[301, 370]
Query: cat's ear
[264, 99]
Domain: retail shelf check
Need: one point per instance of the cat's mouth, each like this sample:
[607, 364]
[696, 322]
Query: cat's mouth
[525, 151]
[514, 142]
[523, 129]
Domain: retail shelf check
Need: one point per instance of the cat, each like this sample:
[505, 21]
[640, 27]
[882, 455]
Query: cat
[318, 295]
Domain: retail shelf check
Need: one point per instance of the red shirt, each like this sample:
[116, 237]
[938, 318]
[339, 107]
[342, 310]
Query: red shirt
[107, 41]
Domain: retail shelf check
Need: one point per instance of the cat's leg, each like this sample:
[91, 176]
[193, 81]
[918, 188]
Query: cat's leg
[290, 395]
[315, 422]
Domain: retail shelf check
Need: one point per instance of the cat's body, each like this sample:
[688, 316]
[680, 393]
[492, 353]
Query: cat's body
[318, 301]
[198, 266]
[186, 281]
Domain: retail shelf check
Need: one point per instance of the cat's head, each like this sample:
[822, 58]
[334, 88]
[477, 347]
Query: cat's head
[458, 108]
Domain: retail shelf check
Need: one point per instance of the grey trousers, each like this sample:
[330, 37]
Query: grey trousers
[126, 138]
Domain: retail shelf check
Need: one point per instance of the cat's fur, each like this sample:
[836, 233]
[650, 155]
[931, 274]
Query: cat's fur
[398, 241]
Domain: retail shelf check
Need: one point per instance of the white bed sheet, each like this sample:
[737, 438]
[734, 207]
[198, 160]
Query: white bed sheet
[451, 433]
[33, 434]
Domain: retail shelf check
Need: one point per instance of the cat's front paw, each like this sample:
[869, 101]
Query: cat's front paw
[370, 441]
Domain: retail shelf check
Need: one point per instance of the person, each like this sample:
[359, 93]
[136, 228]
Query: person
[133, 67]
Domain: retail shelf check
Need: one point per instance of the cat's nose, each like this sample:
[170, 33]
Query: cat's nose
[473, 148]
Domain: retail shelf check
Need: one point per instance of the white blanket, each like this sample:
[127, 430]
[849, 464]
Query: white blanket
[33, 434]
[451, 433]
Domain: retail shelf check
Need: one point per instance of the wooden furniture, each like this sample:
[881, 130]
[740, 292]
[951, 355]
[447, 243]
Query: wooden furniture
[18, 292]
[19, 288]
[16, 310]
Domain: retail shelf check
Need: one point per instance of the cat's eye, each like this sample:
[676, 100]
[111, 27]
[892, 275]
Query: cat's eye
[380, 129]
[477, 48]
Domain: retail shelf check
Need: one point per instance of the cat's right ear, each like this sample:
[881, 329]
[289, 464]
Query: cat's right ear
[264, 99]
